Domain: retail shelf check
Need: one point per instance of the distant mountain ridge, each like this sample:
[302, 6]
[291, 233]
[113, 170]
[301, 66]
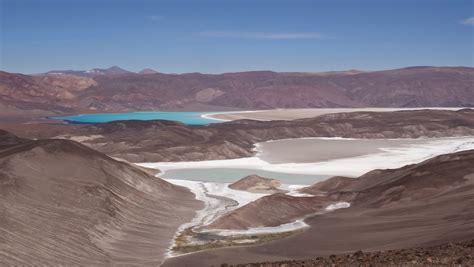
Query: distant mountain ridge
[118, 90]
[147, 71]
[114, 70]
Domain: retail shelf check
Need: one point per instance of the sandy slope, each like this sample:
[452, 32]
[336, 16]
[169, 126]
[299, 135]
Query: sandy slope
[62, 203]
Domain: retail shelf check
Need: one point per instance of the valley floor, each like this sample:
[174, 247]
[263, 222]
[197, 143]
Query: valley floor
[219, 199]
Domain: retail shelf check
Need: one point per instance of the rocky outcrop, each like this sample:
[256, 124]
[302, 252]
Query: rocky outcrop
[62, 203]
[257, 184]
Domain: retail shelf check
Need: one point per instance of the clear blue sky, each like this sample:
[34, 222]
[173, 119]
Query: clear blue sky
[225, 35]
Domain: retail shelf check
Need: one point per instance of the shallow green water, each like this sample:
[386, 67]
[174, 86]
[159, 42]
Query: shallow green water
[229, 175]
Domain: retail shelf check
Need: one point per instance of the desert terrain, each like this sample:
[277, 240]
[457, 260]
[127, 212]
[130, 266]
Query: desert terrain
[287, 133]
[103, 187]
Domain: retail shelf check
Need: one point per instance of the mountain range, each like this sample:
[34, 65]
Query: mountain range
[114, 70]
[118, 90]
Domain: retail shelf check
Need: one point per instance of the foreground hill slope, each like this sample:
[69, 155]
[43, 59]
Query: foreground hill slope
[62, 203]
[152, 141]
[450, 254]
[117, 90]
[424, 204]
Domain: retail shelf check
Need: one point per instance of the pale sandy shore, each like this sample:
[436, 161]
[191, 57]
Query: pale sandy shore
[291, 114]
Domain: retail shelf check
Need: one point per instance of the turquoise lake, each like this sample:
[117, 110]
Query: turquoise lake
[190, 118]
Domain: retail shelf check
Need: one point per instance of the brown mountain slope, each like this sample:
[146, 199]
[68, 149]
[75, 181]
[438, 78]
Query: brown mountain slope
[331, 185]
[30, 95]
[435, 178]
[424, 204]
[62, 203]
[160, 141]
[271, 210]
[409, 87]
[117, 90]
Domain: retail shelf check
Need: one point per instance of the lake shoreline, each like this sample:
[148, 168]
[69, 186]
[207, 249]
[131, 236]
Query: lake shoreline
[302, 113]
[414, 151]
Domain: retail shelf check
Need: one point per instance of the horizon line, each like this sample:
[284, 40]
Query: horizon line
[241, 71]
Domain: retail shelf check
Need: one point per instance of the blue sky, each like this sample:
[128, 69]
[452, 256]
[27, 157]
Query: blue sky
[228, 35]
